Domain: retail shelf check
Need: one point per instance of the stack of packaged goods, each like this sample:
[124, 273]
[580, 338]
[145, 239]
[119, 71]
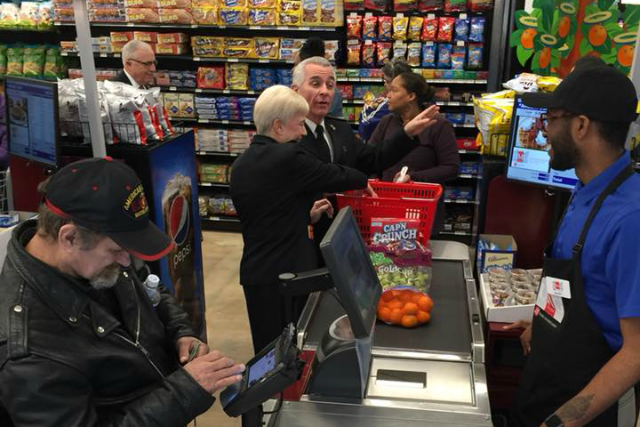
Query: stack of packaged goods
[98, 45]
[178, 79]
[262, 78]
[129, 115]
[239, 140]
[219, 204]
[28, 15]
[224, 108]
[141, 11]
[458, 219]
[212, 140]
[236, 76]
[214, 173]
[101, 75]
[459, 193]
[35, 61]
[180, 105]
[211, 77]
[162, 43]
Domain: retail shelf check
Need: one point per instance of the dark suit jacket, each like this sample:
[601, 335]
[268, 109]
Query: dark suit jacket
[273, 187]
[122, 78]
[349, 150]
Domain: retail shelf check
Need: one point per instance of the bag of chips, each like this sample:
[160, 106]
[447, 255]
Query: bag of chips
[476, 32]
[414, 51]
[461, 30]
[430, 30]
[354, 26]
[445, 29]
[444, 55]
[475, 56]
[455, 5]
[353, 52]
[458, 57]
[369, 54]
[429, 55]
[369, 27]
[385, 28]
[15, 60]
[430, 5]
[400, 27]
[33, 62]
[383, 52]
[405, 5]
[415, 28]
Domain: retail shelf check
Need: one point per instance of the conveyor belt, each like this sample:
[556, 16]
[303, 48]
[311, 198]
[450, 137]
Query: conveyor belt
[448, 331]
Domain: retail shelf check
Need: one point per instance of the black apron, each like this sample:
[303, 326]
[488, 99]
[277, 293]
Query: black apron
[565, 355]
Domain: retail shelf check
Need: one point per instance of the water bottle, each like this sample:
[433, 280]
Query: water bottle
[151, 286]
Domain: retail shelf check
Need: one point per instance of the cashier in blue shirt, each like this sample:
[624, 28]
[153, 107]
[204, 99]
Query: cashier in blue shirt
[585, 335]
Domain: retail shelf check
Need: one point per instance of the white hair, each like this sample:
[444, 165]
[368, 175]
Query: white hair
[277, 102]
[300, 69]
[132, 47]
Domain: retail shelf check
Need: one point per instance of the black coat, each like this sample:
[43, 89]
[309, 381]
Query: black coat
[122, 78]
[66, 359]
[273, 187]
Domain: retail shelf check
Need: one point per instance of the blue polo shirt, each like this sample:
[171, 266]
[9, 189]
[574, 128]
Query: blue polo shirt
[611, 253]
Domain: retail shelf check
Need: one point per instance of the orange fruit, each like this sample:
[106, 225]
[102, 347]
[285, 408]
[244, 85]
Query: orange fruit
[597, 35]
[409, 321]
[410, 308]
[423, 317]
[545, 58]
[625, 55]
[387, 296]
[564, 27]
[405, 295]
[395, 303]
[416, 297]
[526, 39]
[425, 303]
[396, 316]
[384, 314]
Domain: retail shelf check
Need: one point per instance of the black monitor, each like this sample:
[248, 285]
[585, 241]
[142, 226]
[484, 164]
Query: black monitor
[528, 158]
[32, 119]
[352, 272]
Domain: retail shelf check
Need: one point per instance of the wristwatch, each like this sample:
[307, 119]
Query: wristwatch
[553, 421]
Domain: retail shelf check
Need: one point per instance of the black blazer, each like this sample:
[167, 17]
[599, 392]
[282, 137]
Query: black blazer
[122, 78]
[349, 150]
[273, 187]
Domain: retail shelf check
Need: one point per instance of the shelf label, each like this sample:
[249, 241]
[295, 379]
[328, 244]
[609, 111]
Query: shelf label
[198, 90]
[131, 24]
[226, 91]
[226, 122]
[305, 28]
[232, 60]
[103, 55]
[194, 25]
[204, 120]
[282, 28]
[214, 218]
[173, 88]
[263, 61]
[196, 58]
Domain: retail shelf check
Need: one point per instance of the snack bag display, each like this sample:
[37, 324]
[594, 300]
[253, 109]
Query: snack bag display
[205, 15]
[445, 29]
[480, 5]
[10, 14]
[399, 50]
[414, 51]
[385, 28]
[476, 32]
[353, 52]
[292, 18]
[405, 307]
[33, 61]
[174, 4]
[444, 55]
[405, 5]
[354, 26]
[455, 5]
[15, 59]
[233, 16]
[429, 55]
[400, 27]
[266, 47]
[430, 30]
[263, 4]
[430, 5]
[415, 28]
[369, 54]
[210, 77]
[236, 76]
[310, 11]
[461, 30]
[475, 56]
[233, 3]
[353, 5]
[331, 13]
[3, 60]
[383, 52]
[264, 17]
[369, 28]
[133, 14]
[458, 57]
[380, 5]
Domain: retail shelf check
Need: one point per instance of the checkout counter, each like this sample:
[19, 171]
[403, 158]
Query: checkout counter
[387, 376]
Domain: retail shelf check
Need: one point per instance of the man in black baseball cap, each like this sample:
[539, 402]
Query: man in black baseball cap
[584, 341]
[76, 320]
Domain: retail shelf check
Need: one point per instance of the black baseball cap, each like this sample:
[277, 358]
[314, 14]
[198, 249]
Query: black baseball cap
[106, 196]
[599, 92]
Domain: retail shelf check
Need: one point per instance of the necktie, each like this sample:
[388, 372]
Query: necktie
[324, 144]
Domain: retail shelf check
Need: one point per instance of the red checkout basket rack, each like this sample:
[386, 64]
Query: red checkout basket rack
[413, 200]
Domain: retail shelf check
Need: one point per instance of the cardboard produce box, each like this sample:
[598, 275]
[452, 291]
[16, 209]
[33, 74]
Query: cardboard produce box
[508, 314]
[503, 256]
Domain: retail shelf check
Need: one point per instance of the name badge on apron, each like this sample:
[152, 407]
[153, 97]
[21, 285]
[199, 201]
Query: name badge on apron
[550, 302]
[558, 287]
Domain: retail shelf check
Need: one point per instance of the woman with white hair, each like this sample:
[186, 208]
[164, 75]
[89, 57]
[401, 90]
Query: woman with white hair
[273, 187]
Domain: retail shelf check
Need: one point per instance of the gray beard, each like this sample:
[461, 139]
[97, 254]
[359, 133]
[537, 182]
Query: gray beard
[107, 278]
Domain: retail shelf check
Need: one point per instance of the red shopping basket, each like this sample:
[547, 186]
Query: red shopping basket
[406, 201]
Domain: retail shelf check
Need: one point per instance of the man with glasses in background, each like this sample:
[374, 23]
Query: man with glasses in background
[139, 61]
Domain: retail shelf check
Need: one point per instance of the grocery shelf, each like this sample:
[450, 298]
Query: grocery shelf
[183, 119]
[212, 184]
[440, 103]
[435, 81]
[461, 201]
[216, 153]
[220, 218]
[242, 60]
[469, 176]
[456, 233]
[208, 27]
[468, 152]
[226, 122]
[209, 91]
[464, 125]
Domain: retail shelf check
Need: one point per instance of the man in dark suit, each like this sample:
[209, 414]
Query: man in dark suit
[139, 62]
[332, 140]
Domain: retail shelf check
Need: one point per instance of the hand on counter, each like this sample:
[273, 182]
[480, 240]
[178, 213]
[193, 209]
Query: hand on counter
[319, 207]
[422, 121]
[214, 371]
[525, 338]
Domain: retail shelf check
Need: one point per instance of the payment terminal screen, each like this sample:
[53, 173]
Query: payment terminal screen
[529, 151]
[262, 366]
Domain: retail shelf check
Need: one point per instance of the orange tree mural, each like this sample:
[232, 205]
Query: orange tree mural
[558, 32]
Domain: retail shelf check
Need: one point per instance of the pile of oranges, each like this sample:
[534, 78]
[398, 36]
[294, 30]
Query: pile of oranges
[404, 307]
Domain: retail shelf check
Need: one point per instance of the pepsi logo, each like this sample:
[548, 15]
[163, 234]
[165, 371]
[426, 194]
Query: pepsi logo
[180, 220]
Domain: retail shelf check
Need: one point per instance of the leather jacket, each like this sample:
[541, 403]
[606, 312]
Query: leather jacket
[66, 360]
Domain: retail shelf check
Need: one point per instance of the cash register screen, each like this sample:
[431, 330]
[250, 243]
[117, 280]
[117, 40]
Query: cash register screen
[32, 118]
[261, 367]
[529, 151]
[353, 275]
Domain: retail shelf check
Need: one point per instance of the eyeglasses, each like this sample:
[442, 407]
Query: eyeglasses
[146, 64]
[546, 118]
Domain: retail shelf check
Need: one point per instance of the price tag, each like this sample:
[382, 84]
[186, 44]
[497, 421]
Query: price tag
[226, 91]
[117, 55]
[251, 92]
[463, 16]
[305, 28]
[232, 60]
[282, 28]
[173, 88]
[215, 218]
[254, 27]
[226, 122]
[194, 25]
[103, 55]
[454, 104]
[460, 43]
[198, 90]
[431, 16]
[196, 58]
[131, 24]
[263, 61]
[204, 120]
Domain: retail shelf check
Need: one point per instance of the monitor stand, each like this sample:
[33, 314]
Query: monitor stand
[342, 363]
